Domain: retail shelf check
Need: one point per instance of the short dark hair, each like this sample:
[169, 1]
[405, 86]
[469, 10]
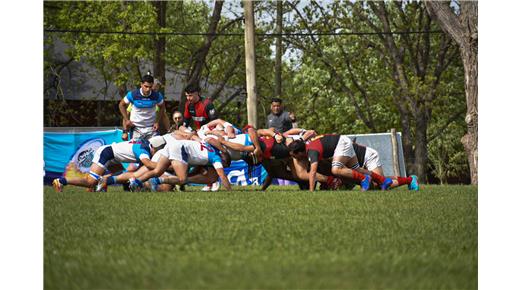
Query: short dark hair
[192, 88]
[147, 79]
[276, 100]
[296, 146]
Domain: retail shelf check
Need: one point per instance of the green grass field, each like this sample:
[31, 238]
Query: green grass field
[279, 239]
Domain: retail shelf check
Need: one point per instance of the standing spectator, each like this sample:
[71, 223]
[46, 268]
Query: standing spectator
[278, 119]
[177, 121]
[201, 111]
[198, 109]
[143, 121]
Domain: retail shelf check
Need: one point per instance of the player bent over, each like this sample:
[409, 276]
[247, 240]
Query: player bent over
[344, 162]
[369, 159]
[181, 154]
[110, 157]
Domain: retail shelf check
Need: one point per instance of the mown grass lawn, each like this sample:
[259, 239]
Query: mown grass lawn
[279, 239]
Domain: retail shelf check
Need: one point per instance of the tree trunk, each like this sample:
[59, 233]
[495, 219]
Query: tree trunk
[278, 58]
[464, 30]
[159, 63]
[201, 53]
[249, 39]
[160, 44]
[470, 140]
[421, 148]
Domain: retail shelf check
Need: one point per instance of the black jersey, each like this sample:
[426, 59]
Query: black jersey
[321, 147]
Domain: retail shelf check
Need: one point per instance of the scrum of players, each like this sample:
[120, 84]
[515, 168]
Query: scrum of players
[183, 156]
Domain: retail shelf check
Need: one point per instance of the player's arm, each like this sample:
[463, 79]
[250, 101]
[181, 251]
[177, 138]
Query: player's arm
[223, 178]
[313, 157]
[254, 138]
[267, 182]
[270, 133]
[213, 123]
[211, 111]
[216, 143]
[312, 175]
[187, 117]
[158, 116]
[123, 105]
[147, 162]
[216, 133]
[293, 131]
[309, 134]
[236, 146]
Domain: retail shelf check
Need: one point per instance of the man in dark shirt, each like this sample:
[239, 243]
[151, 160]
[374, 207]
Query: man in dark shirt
[278, 119]
[197, 109]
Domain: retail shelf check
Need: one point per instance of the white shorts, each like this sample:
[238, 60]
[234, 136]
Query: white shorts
[371, 159]
[173, 152]
[102, 159]
[157, 156]
[143, 133]
[344, 147]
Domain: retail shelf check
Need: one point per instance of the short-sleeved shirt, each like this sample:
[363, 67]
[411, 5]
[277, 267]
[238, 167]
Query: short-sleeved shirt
[272, 149]
[242, 139]
[194, 153]
[321, 147]
[131, 151]
[143, 112]
[202, 112]
[280, 123]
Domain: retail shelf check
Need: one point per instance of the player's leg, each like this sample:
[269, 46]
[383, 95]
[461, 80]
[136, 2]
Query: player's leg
[89, 181]
[102, 156]
[137, 182]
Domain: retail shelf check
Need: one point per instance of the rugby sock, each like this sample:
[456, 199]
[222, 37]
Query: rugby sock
[111, 180]
[63, 180]
[330, 179]
[404, 180]
[379, 179]
[357, 176]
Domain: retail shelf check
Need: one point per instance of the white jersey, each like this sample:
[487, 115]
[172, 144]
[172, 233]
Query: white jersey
[193, 153]
[130, 151]
[205, 129]
[242, 139]
[143, 111]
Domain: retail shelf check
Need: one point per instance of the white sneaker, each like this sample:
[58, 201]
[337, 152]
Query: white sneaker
[215, 186]
[101, 186]
[206, 188]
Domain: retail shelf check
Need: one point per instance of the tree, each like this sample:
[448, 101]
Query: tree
[463, 29]
[376, 78]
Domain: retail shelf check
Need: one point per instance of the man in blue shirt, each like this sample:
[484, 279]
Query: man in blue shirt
[143, 122]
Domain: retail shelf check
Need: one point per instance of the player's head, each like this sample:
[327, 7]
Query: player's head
[177, 117]
[297, 149]
[156, 143]
[147, 84]
[276, 106]
[192, 92]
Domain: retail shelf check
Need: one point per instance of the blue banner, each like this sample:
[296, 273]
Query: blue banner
[70, 154]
